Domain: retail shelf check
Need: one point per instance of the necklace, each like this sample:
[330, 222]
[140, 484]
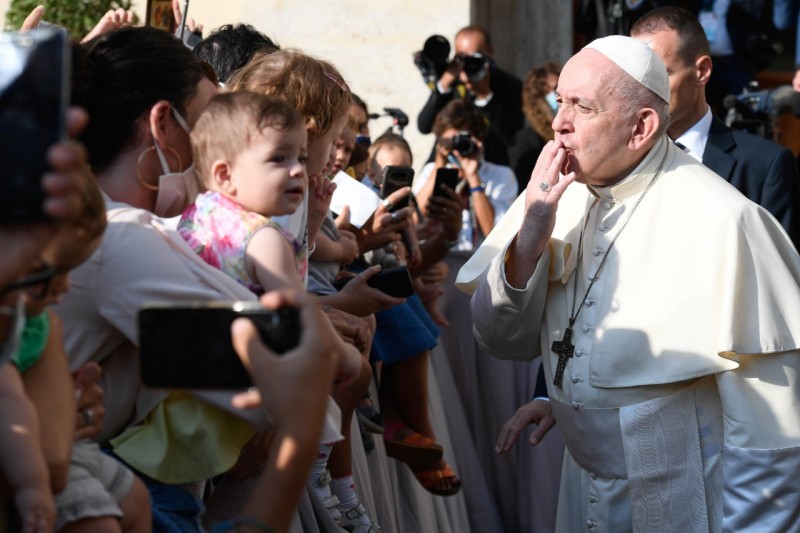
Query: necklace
[564, 348]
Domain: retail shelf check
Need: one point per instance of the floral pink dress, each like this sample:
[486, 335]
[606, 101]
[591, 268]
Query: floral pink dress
[218, 230]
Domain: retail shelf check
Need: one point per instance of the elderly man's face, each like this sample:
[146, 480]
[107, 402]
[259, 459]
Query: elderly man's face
[589, 121]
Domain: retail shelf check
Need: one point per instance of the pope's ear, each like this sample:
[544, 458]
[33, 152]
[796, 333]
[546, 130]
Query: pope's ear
[644, 129]
[222, 178]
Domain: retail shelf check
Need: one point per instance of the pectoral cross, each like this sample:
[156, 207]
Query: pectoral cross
[565, 349]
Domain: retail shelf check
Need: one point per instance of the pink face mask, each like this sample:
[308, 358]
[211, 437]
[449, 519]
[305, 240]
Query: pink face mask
[176, 190]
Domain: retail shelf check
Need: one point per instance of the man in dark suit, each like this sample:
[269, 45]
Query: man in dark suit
[762, 170]
[496, 93]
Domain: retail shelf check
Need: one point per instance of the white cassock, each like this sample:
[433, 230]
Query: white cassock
[680, 408]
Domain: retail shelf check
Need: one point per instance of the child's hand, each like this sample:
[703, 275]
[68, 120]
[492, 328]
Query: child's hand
[343, 220]
[319, 200]
[349, 245]
[36, 507]
[350, 328]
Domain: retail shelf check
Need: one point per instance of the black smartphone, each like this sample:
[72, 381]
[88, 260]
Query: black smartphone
[34, 85]
[189, 345]
[395, 281]
[445, 176]
[394, 178]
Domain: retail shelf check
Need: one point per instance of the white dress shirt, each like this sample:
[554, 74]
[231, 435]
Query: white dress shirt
[694, 139]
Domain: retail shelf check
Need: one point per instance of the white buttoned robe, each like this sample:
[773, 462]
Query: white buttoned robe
[680, 408]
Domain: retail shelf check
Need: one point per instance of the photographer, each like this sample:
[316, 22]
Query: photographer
[496, 94]
[486, 189]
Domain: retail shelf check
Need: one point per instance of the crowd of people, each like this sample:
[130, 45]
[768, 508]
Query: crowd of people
[201, 175]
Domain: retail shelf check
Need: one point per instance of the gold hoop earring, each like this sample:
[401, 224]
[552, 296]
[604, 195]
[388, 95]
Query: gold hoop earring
[141, 158]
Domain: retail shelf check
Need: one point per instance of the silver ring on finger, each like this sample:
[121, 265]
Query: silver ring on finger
[544, 186]
[88, 416]
[387, 204]
[395, 217]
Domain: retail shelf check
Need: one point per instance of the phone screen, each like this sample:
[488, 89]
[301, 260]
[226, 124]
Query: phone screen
[445, 176]
[33, 98]
[394, 178]
[191, 346]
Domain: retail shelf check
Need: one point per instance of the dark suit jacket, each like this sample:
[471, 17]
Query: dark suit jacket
[762, 170]
[504, 112]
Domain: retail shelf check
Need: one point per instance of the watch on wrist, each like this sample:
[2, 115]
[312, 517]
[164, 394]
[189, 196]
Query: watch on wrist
[478, 188]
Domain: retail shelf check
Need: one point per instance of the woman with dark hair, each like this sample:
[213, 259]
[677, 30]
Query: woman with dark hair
[540, 108]
[143, 91]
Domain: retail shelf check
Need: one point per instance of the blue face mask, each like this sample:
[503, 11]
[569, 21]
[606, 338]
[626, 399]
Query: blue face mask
[551, 101]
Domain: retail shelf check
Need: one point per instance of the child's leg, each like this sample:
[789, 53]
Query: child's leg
[97, 486]
[404, 402]
[404, 393]
[340, 462]
[136, 513]
[135, 506]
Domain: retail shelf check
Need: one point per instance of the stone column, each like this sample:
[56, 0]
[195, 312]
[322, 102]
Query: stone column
[526, 33]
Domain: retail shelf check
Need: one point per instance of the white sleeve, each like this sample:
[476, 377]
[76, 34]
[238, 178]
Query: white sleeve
[761, 461]
[506, 319]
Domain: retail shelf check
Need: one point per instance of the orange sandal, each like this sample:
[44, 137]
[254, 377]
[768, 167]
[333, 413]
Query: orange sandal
[431, 479]
[412, 448]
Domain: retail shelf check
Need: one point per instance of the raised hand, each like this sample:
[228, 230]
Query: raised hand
[32, 21]
[541, 202]
[112, 20]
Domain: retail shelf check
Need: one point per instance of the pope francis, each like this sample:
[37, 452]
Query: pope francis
[666, 307]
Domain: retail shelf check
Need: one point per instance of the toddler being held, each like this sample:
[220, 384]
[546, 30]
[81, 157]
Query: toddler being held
[250, 152]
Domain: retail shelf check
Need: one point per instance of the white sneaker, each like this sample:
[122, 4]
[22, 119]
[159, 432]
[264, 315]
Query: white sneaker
[322, 487]
[355, 520]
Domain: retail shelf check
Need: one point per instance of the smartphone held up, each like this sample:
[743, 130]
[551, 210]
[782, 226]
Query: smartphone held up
[189, 345]
[34, 85]
[395, 178]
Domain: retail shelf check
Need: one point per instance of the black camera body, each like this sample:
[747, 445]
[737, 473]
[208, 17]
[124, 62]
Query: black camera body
[475, 66]
[432, 59]
[464, 144]
[756, 111]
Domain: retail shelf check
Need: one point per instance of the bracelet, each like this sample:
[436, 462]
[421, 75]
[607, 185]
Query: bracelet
[311, 250]
[234, 523]
[478, 188]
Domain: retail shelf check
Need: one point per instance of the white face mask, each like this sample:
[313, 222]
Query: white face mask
[176, 190]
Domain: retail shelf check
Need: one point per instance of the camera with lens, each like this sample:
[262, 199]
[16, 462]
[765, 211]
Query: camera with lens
[475, 66]
[756, 110]
[463, 144]
[432, 59]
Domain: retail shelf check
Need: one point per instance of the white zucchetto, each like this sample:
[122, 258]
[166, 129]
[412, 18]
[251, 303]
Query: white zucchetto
[637, 59]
